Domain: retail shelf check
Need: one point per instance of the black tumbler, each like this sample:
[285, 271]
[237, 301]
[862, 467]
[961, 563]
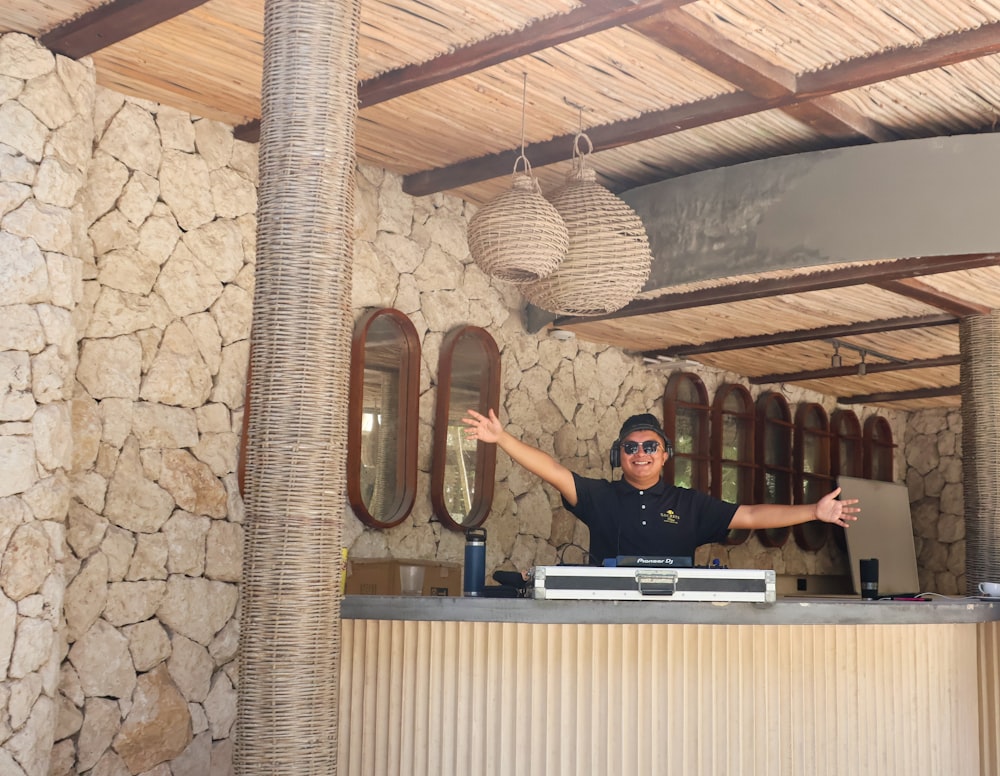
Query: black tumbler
[474, 576]
[869, 578]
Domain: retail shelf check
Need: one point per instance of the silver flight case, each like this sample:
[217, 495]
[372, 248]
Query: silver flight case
[652, 584]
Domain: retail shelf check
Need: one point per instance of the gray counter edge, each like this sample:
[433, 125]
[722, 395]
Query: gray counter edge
[786, 611]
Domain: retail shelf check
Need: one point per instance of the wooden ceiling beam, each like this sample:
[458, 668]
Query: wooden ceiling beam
[707, 47]
[592, 17]
[898, 62]
[923, 292]
[948, 49]
[834, 118]
[805, 335]
[110, 23]
[918, 393]
[816, 281]
[852, 370]
[603, 137]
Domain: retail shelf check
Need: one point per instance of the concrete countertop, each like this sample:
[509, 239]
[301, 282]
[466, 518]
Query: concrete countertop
[785, 611]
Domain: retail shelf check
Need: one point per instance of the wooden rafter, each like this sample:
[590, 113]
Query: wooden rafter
[918, 393]
[850, 371]
[593, 16]
[922, 292]
[110, 23]
[817, 281]
[804, 335]
[708, 48]
[948, 49]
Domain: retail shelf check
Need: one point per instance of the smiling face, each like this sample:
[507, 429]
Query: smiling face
[642, 469]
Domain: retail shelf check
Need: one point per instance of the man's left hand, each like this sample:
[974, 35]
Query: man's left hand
[839, 512]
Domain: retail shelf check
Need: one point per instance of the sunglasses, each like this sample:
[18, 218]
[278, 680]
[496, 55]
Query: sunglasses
[649, 447]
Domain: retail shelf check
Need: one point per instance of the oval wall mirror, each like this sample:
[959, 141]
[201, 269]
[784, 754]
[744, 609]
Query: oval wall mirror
[382, 418]
[462, 470]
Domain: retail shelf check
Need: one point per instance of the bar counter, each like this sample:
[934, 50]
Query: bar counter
[791, 610]
[800, 687]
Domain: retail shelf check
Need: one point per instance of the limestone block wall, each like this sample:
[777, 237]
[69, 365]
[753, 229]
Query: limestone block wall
[126, 279]
[154, 526]
[44, 152]
[153, 530]
[932, 448]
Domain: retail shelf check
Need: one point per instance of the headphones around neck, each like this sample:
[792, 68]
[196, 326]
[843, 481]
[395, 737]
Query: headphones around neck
[615, 454]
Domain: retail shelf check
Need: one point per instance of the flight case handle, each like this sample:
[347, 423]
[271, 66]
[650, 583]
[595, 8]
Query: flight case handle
[660, 582]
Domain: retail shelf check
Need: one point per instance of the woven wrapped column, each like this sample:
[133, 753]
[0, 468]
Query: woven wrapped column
[980, 343]
[296, 462]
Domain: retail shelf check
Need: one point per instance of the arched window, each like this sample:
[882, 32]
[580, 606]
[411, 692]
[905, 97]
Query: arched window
[878, 464]
[686, 422]
[847, 457]
[812, 460]
[848, 445]
[733, 450]
[776, 469]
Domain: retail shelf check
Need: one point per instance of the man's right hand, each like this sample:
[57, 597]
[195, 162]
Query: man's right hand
[488, 429]
[481, 427]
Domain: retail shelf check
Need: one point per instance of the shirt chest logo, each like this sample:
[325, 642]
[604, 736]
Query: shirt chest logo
[670, 517]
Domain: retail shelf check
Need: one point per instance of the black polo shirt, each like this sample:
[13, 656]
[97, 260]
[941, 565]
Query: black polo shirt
[662, 520]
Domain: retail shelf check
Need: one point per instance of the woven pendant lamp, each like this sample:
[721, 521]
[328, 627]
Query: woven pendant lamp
[519, 237]
[608, 260]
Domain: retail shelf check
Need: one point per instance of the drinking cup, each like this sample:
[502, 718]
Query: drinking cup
[411, 579]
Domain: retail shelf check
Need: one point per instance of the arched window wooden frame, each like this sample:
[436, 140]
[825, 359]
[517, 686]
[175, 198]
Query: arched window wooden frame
[775, 458]
[400, 467]
[732, 439]
[812, 462]
[879, 450]
[687, 421]
[848, 450]
[447, 423]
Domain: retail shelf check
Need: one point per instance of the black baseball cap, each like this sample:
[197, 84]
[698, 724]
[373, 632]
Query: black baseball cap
[643, 422]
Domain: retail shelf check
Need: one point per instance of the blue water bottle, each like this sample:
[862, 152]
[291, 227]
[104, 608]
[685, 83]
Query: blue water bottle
[474, 579]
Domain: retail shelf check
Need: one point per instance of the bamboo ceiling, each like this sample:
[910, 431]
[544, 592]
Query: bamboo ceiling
[663, 88]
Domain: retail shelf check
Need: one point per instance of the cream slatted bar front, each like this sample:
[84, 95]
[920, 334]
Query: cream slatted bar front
[454, 687]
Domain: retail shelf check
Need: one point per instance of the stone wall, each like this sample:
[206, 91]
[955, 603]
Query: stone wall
[153, 530]
[126, 278]
[932, 448]
[44, 152]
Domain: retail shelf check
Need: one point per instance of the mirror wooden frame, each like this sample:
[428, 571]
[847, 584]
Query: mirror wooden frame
[486, 455]
[408, 421]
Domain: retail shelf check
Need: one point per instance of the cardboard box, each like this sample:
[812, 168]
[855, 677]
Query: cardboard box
[380, 576]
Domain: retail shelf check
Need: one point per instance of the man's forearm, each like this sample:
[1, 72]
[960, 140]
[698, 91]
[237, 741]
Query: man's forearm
[531, 458]
[539, 463]
[760, 516]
